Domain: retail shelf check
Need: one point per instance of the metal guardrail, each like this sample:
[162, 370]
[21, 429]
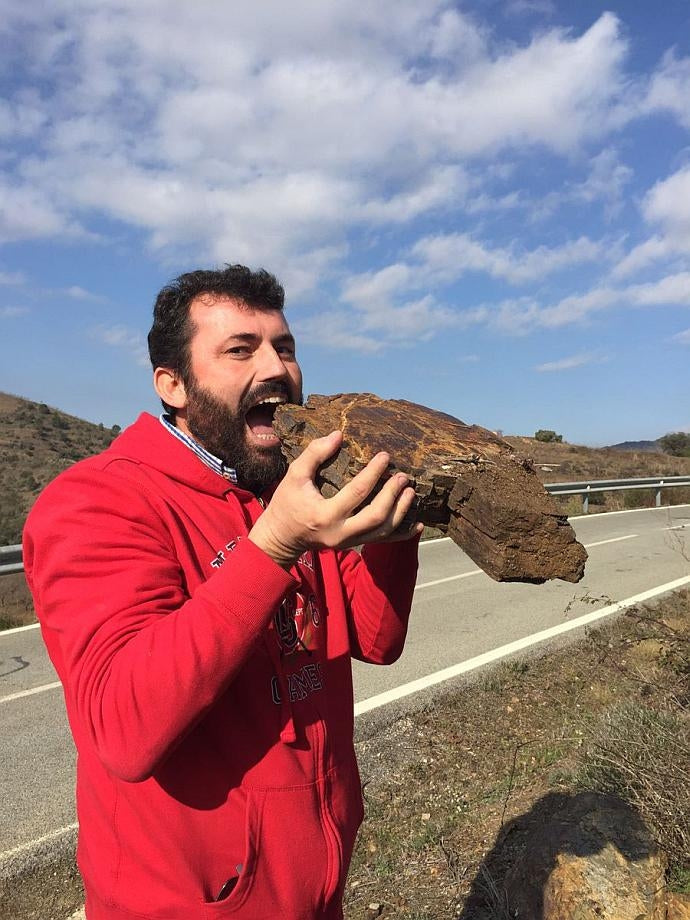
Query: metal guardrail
[11, 556]
[11, 559]
[585, 489]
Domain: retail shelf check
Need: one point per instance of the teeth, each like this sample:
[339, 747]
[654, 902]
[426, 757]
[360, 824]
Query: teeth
[271, 399]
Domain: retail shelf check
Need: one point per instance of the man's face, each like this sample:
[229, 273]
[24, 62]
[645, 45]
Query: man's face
[242, 365]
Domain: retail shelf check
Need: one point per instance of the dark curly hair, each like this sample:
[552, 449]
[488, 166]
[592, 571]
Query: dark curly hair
[172, 330]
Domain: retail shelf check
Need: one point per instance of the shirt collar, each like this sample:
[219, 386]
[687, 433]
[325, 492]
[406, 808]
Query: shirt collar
[211, 461]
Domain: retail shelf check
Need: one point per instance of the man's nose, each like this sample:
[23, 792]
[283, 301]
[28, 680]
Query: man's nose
[270, 364]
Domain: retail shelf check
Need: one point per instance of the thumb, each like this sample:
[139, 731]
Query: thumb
[318, 451]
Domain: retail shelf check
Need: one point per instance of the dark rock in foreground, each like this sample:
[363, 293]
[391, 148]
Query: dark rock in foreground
[469, 483]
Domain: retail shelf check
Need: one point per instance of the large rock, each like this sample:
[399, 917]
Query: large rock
[469, 483]
[593, 860]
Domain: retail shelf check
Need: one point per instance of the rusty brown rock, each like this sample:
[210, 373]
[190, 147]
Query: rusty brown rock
[469, 483]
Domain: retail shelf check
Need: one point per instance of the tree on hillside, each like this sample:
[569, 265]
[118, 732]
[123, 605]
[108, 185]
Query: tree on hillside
[548, 436]
[676, 443]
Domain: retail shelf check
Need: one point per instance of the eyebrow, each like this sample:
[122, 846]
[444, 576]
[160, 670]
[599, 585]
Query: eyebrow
[251, 338]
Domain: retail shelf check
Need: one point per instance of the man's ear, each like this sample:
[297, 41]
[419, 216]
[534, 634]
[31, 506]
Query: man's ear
[170, 387]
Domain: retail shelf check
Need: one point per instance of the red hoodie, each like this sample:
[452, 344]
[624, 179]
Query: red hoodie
[209, 691]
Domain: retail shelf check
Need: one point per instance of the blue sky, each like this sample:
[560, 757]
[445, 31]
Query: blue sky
[482, 207]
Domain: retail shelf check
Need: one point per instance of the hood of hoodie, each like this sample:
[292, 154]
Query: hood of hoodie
[149, 442]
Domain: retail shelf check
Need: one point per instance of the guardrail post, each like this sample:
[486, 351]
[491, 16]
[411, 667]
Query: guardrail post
[658, 494]
[585, 501]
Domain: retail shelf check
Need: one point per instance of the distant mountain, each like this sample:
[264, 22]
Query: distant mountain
[36, 443]
[649, 446]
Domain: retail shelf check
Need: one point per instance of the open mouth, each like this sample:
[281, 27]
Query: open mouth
[259, 419]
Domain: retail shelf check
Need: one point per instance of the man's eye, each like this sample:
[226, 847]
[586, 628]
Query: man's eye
[286, 350]
[237, 350]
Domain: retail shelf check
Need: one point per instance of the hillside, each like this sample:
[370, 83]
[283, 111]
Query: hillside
[652, 446]
[575, 463]
[37, 443]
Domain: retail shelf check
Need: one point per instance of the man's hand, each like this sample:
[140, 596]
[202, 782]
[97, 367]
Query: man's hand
[300, 518]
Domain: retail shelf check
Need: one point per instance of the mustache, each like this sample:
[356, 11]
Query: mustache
[264, 391]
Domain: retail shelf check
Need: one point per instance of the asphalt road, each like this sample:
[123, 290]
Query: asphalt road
[458, 613]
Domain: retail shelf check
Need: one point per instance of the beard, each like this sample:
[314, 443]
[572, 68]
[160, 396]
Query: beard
[224, 434]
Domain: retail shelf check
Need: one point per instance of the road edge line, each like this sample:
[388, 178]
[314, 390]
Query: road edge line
[471, 664]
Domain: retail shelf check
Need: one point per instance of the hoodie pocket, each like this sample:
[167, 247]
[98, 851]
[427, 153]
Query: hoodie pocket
[287, 860]
[239, 894]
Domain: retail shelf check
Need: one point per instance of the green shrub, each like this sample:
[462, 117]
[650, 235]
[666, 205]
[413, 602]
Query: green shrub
[548, 436]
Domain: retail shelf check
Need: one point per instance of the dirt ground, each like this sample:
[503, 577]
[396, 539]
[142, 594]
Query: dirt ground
[451, 792]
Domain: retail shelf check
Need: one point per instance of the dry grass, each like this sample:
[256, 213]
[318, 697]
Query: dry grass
[16, 605]
[452, 791]
[37, 443]
[642, 755]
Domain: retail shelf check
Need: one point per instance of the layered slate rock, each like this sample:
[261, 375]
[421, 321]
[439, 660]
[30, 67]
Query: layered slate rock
[468, 482]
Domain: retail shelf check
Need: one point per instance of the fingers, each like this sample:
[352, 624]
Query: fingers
[398, 536]
[359, 488]
[316, 453]
[384, 514]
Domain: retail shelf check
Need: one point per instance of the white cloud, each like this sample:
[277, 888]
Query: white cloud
[444, 189]
[666, 206]
[12, 278]
[673, 290]
[669, 88]
[336, 330]
[13, 312]
[272, 138]
[376, 287]
[445, 258]
[526, 314]
[607, 182]
[282, 131]
[652, 250]
[129, 340]
[28, 213]
[527, 7]
[682, 337]
[382, 299]
[23, 119]
[449, 256]
[566, 364]
[80, 293]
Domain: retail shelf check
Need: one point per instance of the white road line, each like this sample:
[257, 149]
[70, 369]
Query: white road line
[26, 847]
[17, 629]
[440, 581]
[23, 693]
[390, 696]
[595, 515]
[414, 686]
[426, 584]
[578, 517]
[630, 536]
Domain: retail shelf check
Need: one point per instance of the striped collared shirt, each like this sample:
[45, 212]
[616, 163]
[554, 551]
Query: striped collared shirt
[204, 455]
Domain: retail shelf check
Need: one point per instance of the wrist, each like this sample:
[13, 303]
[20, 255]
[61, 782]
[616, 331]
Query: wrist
[282, 554]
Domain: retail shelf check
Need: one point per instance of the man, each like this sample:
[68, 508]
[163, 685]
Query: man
[201, 607]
